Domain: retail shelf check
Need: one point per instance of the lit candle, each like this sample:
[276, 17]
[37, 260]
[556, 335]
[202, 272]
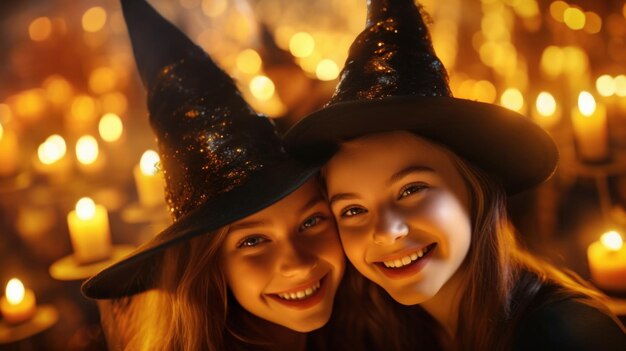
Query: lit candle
[607, 262]
[590, 130]
[148, 180]
[88, 154]
[18, 304]
[546, 113]
[8, 152]
[51, 159]
[110, 127]
[89, 231]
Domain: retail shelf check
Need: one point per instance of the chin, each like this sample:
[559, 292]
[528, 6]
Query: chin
[410, 298]
[311, 324]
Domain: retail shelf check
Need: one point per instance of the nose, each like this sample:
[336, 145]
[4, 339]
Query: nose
[390, 227]
[296, 262]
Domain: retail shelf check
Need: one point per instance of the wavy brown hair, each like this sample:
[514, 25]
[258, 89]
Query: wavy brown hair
[191, 308]
[501, 277]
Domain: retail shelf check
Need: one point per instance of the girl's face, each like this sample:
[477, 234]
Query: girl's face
[402, 210]
[284, 263]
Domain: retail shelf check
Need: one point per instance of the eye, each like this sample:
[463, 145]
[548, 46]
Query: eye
[411, 189]
[251, 241]
[311, 222]
[353, 211]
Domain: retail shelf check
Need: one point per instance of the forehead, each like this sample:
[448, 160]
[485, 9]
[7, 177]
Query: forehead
[385, 151]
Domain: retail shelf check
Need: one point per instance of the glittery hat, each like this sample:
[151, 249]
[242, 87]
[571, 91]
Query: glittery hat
[392, 80]
[221, 160]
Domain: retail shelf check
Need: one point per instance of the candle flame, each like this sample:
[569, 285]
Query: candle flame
[52, 150]
[85, 208]
[110, 127]
[1, 131]
[262, 88]
[87, 150]
[546, 105]
[512, 99]
[15, 291]
[586, 103]
[612, 240]
[149, 162]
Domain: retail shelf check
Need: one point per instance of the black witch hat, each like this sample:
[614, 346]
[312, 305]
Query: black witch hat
[221, 160]
[392, 80]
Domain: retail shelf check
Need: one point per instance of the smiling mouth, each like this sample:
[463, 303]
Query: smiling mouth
[410, 258]
[303, 297]
[408, 264]
[301, 294]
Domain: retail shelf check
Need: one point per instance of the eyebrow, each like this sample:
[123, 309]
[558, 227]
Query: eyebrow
[394, 178]
[314, 200]
[411, 169]
[246, 224]
[342, 196]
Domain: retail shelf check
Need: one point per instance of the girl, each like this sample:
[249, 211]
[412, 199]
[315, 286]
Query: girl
[252, 260]
[418, 182]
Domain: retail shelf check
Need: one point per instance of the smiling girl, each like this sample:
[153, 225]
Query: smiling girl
[252, 260]
[418, 182]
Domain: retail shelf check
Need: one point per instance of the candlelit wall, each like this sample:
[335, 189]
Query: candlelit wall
[73, 124]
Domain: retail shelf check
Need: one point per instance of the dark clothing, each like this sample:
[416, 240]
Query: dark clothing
[568, 324]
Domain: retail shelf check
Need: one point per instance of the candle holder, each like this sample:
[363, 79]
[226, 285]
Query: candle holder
[45, 317]
[599, 172]
[68, 269]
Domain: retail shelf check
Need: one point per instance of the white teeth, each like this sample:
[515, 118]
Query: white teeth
[302, 294]
[406, 260]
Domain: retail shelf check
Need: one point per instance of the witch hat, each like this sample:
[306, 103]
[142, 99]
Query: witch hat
[221, 160]
[393, 80]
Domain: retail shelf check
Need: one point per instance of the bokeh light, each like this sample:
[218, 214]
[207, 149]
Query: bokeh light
[262, 88]
[110, 127]
[512, 99]
[40, 29]
[301, 44]
[94, 19]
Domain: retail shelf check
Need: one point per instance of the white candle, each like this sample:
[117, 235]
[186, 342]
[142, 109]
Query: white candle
[89, 231]
[590, 129]
[148, 180]
[9, 152]
[18, 305]
[607, 262]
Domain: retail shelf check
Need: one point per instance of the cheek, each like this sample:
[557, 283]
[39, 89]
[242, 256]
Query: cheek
[354, 245]
[449, 220]
[248, 275]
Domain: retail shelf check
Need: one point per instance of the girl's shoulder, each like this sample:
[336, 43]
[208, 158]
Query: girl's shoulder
[568, 323]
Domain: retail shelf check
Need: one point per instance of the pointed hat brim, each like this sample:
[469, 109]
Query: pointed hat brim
[504, 143]
[139, 270]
